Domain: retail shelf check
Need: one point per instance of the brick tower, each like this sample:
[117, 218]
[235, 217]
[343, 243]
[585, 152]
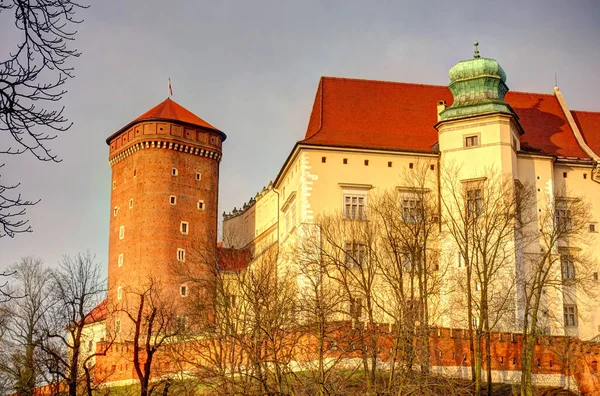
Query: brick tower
[165, 177]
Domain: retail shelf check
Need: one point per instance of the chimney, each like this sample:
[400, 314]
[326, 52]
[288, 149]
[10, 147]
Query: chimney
[441, 106]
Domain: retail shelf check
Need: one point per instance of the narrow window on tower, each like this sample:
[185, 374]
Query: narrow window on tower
[181, 255]
[118, 325]
[184, 227]
[120, 260]
[115, 211]
[201, 205]
[472, 141]
[183, 290]
[121, 232]
[134, 173]
[114, 185]
[131, 203]
[173, 199]
[119, 293]
[174, 172]
[198, 176]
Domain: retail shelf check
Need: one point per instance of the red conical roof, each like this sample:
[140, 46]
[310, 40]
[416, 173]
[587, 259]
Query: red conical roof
[169, 110]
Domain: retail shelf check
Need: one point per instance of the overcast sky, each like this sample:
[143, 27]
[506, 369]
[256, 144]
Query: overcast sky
[251, 69]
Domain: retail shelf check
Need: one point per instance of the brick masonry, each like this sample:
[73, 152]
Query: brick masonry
[145, 227]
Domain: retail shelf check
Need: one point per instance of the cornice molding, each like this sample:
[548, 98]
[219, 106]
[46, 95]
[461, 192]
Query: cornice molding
[159, 144]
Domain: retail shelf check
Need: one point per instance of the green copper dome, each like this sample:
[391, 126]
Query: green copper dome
[478, 86]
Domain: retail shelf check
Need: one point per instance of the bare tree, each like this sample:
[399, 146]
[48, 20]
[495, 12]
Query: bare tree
[25, 317]
[321, 308]
[32, 82]
[348, 252]
[12, 210]
[155, 323]
[77, 287]
[484, 221]
[408, 218]
[558, 265]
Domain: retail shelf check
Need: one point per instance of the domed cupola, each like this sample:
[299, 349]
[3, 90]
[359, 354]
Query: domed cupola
[478, 86]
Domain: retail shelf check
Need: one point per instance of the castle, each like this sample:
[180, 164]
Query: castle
[363, 138]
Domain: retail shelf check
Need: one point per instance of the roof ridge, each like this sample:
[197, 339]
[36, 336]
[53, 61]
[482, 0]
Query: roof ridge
[585, 111]
[383, 81]
[421, 84]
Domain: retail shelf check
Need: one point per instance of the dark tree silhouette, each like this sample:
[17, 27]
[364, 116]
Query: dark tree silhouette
[31, 85]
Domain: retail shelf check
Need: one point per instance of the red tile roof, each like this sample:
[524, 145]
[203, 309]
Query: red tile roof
[97, 314]
[169, 110]
[589, 125]
[401, 116]
[233, 259]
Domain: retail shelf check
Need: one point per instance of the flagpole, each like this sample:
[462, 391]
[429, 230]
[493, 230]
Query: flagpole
[170, 88]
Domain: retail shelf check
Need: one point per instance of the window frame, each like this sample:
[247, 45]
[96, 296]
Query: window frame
[567, 267]
[570, 315]
[355, 255]
[472, 140]
[181, 255]
[184, 227]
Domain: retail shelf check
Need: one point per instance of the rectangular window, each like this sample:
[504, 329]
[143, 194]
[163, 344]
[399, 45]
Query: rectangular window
[389, 164]
[290, 219]
[356, 255]
[570, 312]
[198, 176]
[121, 232]
[183, 291]
[174, 172]
[120, 260]
[181, 322]
[411, 210]
[474, 202]
[568, 267]
[472, 141]
[366, 162]
[323, 159]
[563, 220]
[173, 199]
[119, 293]
[345, 161]
[592, 228]
[115, 211]
[184, 227]
[355, 308]
[355, 207]
[131, 203]
[181, 255]
[200, 205]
